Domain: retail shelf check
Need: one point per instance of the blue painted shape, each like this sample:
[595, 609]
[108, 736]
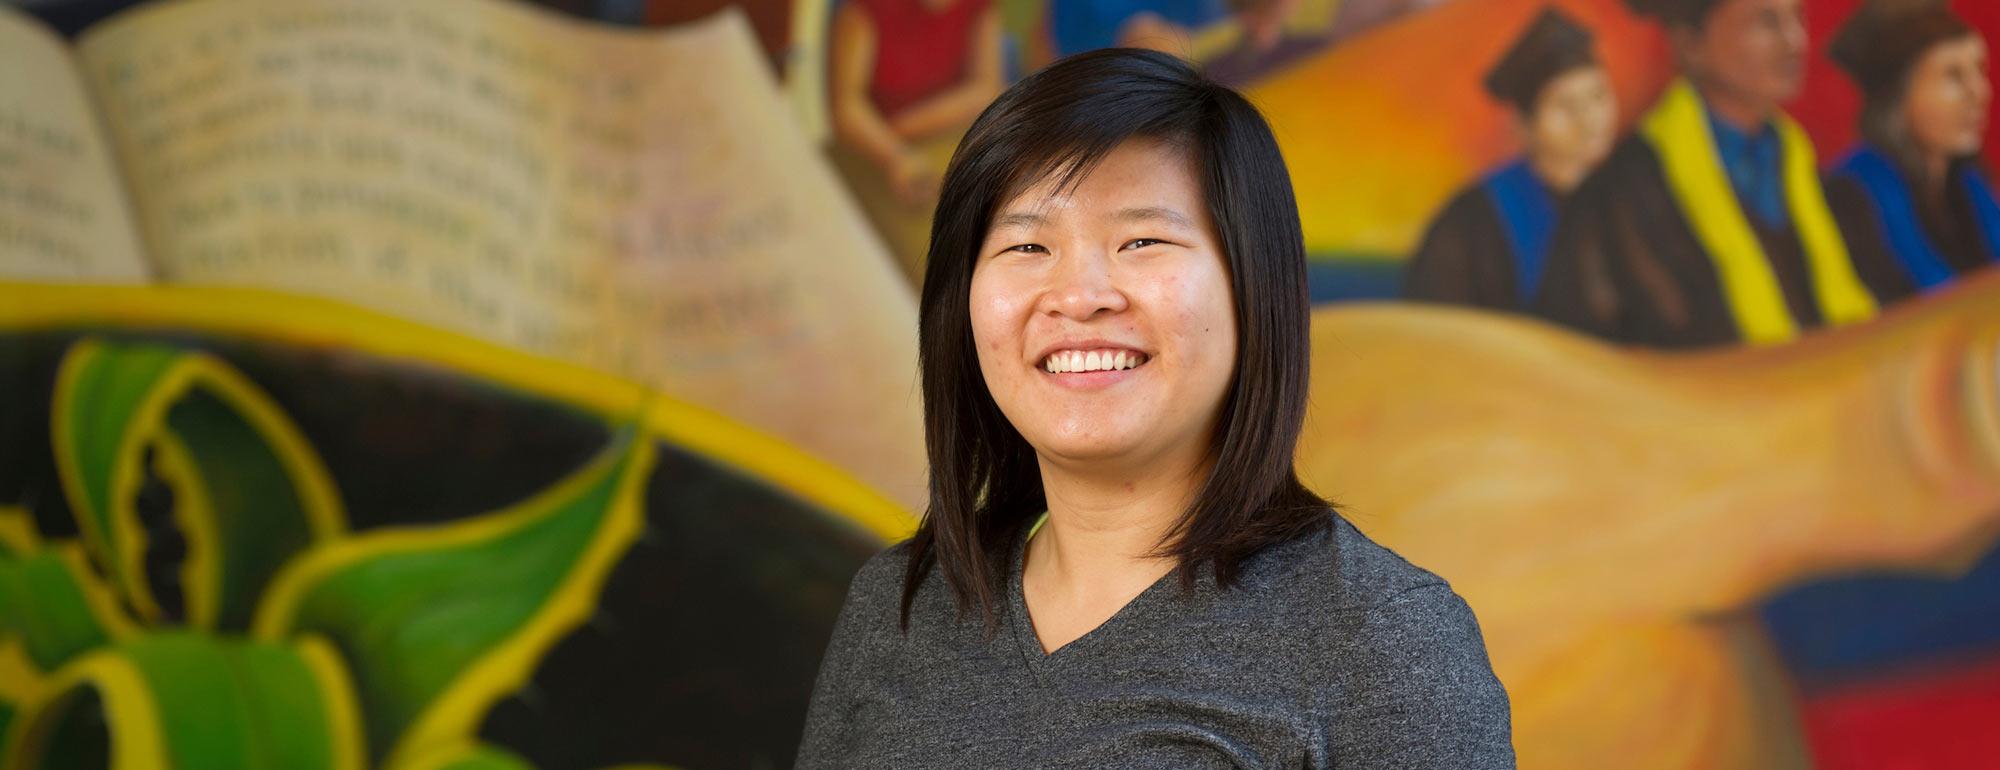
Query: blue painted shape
[1344, 279]
[1528, 215]
[1835, 629]
[1896, 214]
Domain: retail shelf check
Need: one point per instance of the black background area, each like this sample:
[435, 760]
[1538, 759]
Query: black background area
[708, 635]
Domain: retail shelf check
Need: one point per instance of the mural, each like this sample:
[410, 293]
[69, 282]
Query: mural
[478, 383]
[328, 539]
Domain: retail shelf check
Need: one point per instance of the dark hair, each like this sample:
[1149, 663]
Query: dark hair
[1687, 14]
[1552, 45]
[1879, 47]
[985, 484]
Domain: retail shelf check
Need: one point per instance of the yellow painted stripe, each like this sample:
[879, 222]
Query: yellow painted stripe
[101, 599]
[75, 362]
[1842, 298]
[774, 461]
[306, 321]
[127, 544]
[201, 573]
[458, 710]
[137, 740]
[336, 685]
[311, 481]
[21, 681]
[17, 530]
[1693, 169]
[310, 321]
[279, 605]
[1678, 129]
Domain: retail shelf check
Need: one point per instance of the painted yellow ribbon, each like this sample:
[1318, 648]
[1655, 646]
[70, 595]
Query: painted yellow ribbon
[1678, 129]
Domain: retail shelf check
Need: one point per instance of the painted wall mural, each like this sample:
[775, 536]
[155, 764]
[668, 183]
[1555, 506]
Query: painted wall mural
[328, 539]
[497, 384]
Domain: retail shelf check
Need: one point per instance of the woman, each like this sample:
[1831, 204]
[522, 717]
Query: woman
[1487, 247]
[1912, 201]
[1119, 567]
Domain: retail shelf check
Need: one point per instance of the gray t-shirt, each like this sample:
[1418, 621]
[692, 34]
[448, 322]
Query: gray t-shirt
[1333, 652]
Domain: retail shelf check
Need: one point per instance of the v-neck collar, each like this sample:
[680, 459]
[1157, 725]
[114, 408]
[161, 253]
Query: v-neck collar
[1030, 644]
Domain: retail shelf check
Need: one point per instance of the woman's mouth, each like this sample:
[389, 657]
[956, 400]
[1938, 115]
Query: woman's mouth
[1101, 360]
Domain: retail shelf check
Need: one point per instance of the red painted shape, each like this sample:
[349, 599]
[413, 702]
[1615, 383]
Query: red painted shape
[1827, 106]
[1945, 719]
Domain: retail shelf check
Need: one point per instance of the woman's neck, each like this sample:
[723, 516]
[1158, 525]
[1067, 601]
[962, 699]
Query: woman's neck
[1561, 173]
[1103, 528]
[1928, 172]
[1934, 174]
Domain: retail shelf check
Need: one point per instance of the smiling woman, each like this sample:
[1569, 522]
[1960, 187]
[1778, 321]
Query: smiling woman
[1118, 566]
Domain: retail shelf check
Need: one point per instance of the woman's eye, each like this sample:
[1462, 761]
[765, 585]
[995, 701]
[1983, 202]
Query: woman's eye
[1028, 248]
[1141, 243]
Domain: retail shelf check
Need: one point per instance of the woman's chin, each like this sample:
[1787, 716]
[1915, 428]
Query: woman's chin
[1093, 450]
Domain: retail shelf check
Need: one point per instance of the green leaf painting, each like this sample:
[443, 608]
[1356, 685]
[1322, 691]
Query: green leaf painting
[290, 642]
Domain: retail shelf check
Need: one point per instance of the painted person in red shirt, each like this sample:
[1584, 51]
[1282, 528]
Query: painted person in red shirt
[906, 78]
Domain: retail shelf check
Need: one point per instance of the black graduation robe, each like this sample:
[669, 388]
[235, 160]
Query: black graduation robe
[1951, 227]
[1626, 266]
[1462, 259]
[1478, 255]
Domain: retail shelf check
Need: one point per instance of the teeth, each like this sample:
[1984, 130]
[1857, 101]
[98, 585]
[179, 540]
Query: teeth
[1091, 361]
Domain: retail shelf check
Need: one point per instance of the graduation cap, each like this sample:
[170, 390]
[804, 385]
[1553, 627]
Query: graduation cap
[1552, 45]
[1674, 12]
[1881, 41]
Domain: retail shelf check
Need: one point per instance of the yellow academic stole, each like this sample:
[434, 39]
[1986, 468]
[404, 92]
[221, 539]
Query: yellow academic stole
[1678, 129]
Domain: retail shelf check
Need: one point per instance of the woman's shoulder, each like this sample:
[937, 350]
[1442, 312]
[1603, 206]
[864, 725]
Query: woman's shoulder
[1388, 635]
[1341, 567]
[1356, 592]
[881, 576]
[1406, 643]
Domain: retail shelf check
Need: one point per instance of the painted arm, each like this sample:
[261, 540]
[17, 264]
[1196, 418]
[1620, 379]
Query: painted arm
[856, 122]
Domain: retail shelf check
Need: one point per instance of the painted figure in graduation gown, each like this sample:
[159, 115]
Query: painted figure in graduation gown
[1708, 225]
[1487, 247]
[1915, 206]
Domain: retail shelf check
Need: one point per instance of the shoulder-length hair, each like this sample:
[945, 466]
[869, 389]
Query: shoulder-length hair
[985, 483]
[1880, 48]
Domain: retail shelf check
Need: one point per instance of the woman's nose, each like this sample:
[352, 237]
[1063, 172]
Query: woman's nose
[1085, 286]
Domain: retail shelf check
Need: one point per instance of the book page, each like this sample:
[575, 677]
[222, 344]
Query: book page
[637, 201]
[63, 213]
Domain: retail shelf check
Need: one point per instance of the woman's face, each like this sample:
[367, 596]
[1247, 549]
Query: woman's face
[1104, 318]
[1947, 97]
[1574, 121]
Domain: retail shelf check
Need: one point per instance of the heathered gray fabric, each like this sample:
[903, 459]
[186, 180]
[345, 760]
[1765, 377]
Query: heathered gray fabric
[1333, 652]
